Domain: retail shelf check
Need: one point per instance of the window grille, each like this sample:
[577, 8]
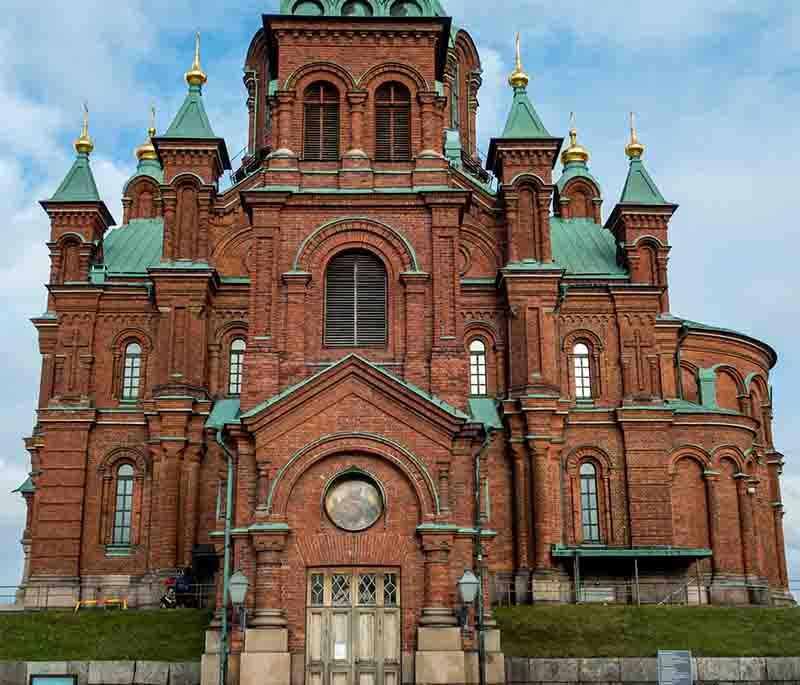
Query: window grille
[132, 372]
[355, 301]
[590, 509]
[583, 373]
[236, 367]
[124, 506]
[392, 123]
[321, 127]
[390, 590]
[477, 368]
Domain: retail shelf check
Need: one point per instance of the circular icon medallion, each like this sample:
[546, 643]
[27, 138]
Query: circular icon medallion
[354, 504]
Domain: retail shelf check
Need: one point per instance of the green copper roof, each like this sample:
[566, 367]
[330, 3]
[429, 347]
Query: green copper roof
[639, 188]
[630, 552]
[523, 121]
[191, 120]
[485, 410]
[26, 488]
[78, 185]
[575, 170]
[224, 412]
[363, 8]
[583, 247]
[134, 247]
[292, 389]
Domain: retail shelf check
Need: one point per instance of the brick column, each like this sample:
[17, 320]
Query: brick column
[714, 522]
[285, 109]
[541, 492]
[169, 487]
[357, 102]
[427, 101]
[269, 544]
[191, 479]
[437, 611]
[416, 369]
[296, 285]
[520, 457]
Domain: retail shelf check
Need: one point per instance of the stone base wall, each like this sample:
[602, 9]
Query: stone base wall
[104, 672]
[707, 671]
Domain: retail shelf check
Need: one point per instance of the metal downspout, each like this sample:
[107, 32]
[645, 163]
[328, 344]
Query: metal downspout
[224, 648]
[479, 559]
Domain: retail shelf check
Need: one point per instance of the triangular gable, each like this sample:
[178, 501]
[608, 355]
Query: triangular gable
[428, 406]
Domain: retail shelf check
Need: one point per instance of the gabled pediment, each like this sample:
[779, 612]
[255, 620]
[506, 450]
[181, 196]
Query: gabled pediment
[391, 391]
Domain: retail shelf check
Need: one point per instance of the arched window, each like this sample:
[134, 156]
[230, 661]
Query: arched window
[132, 372]
[392, 123]
[355, 300]
[590, 508]
[321, 132]
[124, 506]
[583, 373]
[477, 367]
[455, 99]
[236, 366]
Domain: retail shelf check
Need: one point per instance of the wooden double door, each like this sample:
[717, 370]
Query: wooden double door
[353, 627]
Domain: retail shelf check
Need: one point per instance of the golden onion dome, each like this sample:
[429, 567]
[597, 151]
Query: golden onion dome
[634, 149]
[196, 76]
[84, 144]
[575, 152]
[147, 151]
[518, 78]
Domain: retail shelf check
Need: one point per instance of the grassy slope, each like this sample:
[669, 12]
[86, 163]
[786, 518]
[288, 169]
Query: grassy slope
[103, 636]
[569, 631]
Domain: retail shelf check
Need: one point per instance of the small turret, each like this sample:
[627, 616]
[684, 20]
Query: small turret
[578, 193]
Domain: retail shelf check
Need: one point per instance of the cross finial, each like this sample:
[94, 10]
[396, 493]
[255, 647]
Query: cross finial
[152, 130]
[84, 145]
[634, 149]
[196, 76]
[519, 79]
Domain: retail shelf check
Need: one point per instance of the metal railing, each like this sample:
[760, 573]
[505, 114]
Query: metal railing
[694, 591]
[49, 596]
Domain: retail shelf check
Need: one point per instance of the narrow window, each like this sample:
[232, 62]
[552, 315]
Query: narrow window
[455, 99]
[124, 506]
[321, 129]
[392, 123]
[590, 511]
[236, 367]
[583, 374]
[477, 367]
[132, 372]
[355, 301]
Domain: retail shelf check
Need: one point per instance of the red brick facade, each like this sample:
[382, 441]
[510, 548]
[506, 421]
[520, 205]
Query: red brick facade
[676, 424]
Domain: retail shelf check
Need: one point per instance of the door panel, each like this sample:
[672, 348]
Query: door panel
[354, 627]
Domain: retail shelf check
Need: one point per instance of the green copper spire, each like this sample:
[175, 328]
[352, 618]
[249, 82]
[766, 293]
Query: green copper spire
[639, 187]
[79, 184]
[523, 121]
[192, 120]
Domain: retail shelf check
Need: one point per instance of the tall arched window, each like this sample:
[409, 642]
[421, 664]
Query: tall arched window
[236, 366]
[455, 99]
[477, 367]
[583, 373]
[321, 127]
[355, 300]
[132, 372]
[124, 506]
[590, 507]
[392, 123]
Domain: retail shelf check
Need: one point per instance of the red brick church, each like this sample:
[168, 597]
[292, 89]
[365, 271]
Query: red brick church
[404, 348]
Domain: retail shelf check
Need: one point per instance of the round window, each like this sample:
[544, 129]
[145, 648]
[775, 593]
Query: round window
[354, 503]
[356, 8]
[406, 8]
[309, 7]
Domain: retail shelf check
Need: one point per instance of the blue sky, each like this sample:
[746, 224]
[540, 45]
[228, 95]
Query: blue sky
[715, 83]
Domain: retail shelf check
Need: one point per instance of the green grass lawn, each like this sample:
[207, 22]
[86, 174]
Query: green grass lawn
[103, 636]
[589, 631]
